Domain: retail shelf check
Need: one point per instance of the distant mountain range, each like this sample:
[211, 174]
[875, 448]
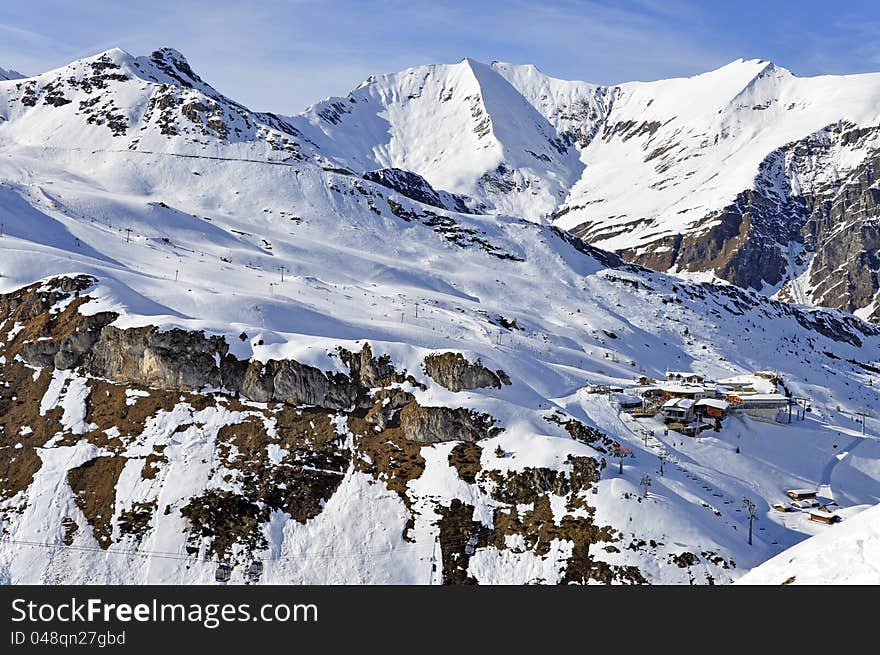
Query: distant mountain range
[746, 173]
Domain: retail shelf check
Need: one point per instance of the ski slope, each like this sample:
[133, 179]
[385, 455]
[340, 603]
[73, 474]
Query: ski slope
[232, 236]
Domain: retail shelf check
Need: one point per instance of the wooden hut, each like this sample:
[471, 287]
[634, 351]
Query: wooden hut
[800, 494]
[823, 516]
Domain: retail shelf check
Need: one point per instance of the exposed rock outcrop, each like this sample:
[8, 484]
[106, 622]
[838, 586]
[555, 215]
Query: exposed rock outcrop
[804, 213]
[288, 381]
[456, 373]
[437, 424]
[369, 371]
[172, 359]
[414, 186]
[742, 245]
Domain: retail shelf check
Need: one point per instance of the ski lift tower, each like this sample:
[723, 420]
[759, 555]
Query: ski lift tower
[621, 453]
[863, 413]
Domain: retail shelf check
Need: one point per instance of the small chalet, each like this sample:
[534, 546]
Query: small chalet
[685, 377]
[800, 494]
[823, 516]
[680, 410]
[714, 407]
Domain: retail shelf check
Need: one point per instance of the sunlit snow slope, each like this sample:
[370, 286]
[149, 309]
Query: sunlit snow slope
[214, 244]
[849, 554]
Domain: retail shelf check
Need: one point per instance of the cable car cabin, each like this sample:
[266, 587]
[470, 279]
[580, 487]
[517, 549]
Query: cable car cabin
[224, 573]
[255, 570]
[800, 494]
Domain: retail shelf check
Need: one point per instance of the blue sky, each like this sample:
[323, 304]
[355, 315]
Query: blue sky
[281, 55]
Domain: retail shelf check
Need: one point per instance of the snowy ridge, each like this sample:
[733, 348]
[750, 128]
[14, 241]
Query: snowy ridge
[115, 102]
[735, 115]
[486, 140]
[649, 169]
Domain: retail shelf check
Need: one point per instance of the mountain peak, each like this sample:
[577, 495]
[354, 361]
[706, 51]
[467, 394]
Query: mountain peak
[10, 74]
[174, 64]
[751, 68]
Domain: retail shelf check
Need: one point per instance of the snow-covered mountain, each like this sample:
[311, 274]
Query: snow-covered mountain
[748, 173]
[230, 335]
[10, 74]
[466, 128]
[114, 101]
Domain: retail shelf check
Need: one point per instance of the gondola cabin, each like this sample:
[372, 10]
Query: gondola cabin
[255, 570]
[223, 573]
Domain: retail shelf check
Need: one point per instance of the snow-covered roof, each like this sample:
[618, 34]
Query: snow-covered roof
[760, 384]
[713, 402]
[766, 396]
[683, 388]
[681, 403]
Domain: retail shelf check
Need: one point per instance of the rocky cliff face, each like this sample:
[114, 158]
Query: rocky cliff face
[807, 219]
[455, 372]
[414, 186]
[285, 453]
